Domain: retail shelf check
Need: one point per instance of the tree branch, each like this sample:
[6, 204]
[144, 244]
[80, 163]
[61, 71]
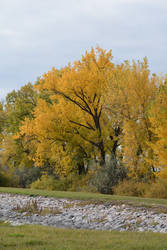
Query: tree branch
[82, 125]
[70, 99]
[90, 141]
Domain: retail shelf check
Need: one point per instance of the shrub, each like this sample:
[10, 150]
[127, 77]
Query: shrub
[7, 177]
[158, 189]
[27, 175]
[80, 182]
[108, 176]
[5, 180]
[47, 183]
[131, 188]
[18, 177]
[73, 182]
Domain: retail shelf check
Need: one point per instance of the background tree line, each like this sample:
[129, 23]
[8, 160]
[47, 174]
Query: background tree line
[92, 125]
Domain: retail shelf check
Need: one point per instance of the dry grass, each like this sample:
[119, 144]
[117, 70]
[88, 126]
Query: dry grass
[33, 208]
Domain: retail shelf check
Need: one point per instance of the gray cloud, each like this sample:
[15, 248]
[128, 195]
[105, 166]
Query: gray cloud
[36, 35]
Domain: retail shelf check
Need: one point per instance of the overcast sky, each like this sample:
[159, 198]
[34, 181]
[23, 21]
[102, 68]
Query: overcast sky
[36, 35]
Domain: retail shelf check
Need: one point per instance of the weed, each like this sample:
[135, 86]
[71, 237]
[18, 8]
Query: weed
[154, 223]
[127, 226]
[52, 211]
[33, 208]
[138, 222]
[69, 205]
[99, 220]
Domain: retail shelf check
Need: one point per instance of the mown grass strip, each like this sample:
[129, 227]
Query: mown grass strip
[40, 237]
[86, 196]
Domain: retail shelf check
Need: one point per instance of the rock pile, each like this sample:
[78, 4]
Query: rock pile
[79, 214]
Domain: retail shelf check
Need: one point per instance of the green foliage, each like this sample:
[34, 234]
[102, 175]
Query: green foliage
[14, 154]
[20, 104]
[108, 176]
[3, 117]
[26, 175]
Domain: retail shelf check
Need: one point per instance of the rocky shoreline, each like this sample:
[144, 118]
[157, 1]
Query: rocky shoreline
[77, 214]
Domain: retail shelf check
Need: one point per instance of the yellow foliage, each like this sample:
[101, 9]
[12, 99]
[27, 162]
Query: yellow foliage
[158, 120]
[96, 108]
[74, 125]
[132, 92]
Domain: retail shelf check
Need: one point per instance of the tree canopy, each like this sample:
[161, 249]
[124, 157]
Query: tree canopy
[90, 111]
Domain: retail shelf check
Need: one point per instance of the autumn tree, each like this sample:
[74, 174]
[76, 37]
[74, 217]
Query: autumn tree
[93, 109]
[19, 104]
[133, 89]
[75, 126]
[157, 117]
[3, 118]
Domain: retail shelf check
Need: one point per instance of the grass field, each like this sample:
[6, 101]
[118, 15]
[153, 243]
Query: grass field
[40, 237]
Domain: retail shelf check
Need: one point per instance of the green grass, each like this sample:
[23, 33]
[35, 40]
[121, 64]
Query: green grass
[86, 196]
[40, 237]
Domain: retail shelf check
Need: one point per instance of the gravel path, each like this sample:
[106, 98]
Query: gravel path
[79, 214]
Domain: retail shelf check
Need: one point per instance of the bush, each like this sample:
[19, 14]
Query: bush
[18, 177]
[131, 188]
[81, 183]
[47, 183]
[26, 175]
[158, 189]
[108, 176]
[7, 177]
[73, 182]
[5, 181]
